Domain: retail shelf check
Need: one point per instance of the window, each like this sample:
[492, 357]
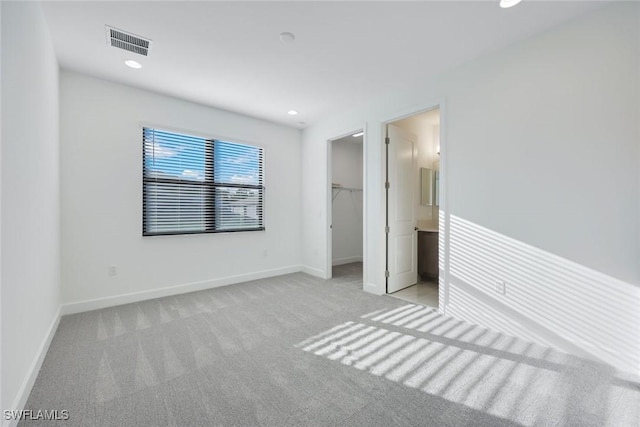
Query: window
[198, 185]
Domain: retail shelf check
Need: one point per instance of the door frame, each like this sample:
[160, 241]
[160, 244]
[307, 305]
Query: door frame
[443, 220]
[329, 201]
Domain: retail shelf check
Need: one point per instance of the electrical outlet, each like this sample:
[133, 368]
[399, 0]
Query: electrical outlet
[501, 287]
[113, 270]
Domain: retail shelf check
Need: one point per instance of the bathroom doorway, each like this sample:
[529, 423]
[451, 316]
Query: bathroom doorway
[412, 211]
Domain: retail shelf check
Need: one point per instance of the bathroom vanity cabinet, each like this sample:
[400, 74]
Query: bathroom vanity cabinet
[428, 254]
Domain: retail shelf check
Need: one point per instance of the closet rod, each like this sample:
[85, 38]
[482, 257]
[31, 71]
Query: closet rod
[340, 188]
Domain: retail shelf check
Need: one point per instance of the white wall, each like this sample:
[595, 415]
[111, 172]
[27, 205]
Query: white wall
[540, 153]
[30, 197]
[347, 205]
[1, 135]
[101, 184]
[1, 401]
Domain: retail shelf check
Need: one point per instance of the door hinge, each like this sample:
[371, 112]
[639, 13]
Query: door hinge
[387, 185]
[387, 140]
[386, 229]
[386, 273]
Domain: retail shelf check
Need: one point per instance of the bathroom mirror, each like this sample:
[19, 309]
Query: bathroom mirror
[426, 187]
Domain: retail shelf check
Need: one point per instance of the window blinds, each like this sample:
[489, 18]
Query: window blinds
[198, 185]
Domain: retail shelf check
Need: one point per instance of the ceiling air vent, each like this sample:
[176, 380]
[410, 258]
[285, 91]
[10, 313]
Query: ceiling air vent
[127, 41]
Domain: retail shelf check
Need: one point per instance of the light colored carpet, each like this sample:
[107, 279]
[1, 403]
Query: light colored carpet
[296, 351]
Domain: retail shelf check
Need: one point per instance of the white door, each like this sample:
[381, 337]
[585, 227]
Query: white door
[402, 244]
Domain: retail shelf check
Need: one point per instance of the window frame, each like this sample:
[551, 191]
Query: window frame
[210, 186]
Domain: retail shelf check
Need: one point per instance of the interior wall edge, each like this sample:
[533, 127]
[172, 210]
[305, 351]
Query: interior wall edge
[372, 288]
[314, 272]
[34, 368]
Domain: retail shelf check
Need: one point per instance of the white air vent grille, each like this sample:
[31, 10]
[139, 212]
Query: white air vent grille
[127, 41]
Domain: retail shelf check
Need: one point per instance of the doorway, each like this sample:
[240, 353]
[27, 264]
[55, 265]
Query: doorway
[412, 148]
[346, 211]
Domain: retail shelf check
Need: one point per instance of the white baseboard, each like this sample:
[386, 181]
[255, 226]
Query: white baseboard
[25, 389]
[98, 303]
[313, 271]
[348, 260]
[372, 289]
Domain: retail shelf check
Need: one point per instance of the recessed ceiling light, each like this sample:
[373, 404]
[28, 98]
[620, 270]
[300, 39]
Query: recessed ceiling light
[508, 3]
[133, 64]
[292, 112]
[358, 134]
[287, 37]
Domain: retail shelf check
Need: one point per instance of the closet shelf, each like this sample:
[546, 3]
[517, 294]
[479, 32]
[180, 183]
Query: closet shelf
[347, 188]
[339, 188]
